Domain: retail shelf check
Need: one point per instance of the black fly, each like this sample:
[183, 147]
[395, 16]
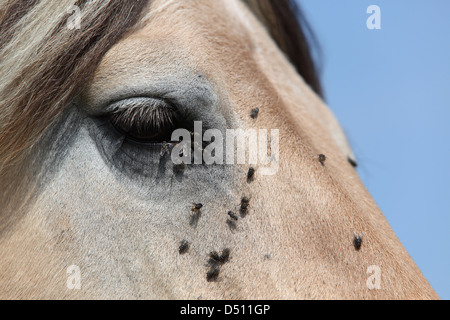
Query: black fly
[254, 113]
[322, 159]
[357, 240]
[184, 247]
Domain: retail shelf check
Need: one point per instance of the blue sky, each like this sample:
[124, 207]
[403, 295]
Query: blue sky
[390, 89]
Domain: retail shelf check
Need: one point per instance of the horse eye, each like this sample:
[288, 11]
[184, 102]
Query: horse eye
[144, 119]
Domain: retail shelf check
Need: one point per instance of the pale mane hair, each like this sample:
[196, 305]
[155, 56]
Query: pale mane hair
[43, 62]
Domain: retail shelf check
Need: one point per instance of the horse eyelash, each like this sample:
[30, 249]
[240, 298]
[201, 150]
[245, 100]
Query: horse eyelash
[144, 117]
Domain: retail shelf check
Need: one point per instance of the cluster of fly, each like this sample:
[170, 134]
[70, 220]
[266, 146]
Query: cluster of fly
[322, 159]
[254, 113]
[196, 213]
[243, 210]
[184, 247]
[357, 240]
[166, 147]
[215, 262]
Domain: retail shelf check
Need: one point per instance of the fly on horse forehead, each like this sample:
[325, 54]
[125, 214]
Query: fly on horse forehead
[180, 149]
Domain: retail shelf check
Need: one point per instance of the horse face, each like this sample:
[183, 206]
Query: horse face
[119, 209]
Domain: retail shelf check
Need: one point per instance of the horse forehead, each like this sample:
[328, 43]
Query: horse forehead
[220, 38]
[197, 28]
[172, 37]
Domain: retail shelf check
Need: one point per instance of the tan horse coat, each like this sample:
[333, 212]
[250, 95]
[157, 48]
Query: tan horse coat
[296, 241]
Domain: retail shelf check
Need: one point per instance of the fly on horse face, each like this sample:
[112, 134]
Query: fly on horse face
[92, 204]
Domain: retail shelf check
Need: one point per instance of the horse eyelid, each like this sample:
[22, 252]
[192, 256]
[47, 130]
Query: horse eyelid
[143, 116]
